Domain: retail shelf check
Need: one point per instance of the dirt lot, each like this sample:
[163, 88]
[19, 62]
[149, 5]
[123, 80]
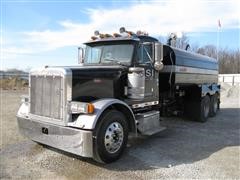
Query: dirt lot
[187, 149]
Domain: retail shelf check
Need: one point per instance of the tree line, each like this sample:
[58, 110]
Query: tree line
[229, 60]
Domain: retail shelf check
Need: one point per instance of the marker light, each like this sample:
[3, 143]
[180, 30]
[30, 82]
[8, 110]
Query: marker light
[94, 37]
[108, 35]
[96, 33]
[90, 108]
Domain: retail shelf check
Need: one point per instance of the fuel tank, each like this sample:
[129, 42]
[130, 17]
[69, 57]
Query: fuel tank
[184, 67]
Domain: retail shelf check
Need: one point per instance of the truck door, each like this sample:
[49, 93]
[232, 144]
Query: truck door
[145, 59]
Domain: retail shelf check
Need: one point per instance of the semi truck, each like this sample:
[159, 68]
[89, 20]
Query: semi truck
[124, 84]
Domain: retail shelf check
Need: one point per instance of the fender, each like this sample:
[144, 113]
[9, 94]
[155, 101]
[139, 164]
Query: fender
[23, 111]
[89, 121]
[209, 89]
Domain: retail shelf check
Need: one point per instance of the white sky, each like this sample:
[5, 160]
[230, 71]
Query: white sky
[156, 17]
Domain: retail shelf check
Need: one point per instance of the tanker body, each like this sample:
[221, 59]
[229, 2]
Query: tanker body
[125, 84]
[189, 84]
[184, 67]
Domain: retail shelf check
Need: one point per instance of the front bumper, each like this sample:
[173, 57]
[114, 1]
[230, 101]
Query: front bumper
[68, 139]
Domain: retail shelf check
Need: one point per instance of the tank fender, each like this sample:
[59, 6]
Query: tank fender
[89, 121]
[210, 89]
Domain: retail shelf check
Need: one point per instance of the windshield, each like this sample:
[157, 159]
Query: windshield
[109, 54]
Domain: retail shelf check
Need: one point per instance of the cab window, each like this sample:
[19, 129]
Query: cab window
[145, 54]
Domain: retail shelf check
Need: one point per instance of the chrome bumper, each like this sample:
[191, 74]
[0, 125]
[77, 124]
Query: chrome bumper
[68, 139]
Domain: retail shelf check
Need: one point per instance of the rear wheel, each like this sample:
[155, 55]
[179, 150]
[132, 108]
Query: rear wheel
[214, 105]
[111, 137]
[204, 109]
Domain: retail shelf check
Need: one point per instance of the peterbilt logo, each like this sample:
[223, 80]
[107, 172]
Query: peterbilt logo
[58, 91]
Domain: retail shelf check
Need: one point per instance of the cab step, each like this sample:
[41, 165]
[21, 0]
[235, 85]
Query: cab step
[153, 131]
[148, 123]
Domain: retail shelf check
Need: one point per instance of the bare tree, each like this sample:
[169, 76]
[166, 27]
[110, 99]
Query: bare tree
[178, 42]
[229, 60]
[182, 42]
[209, 50]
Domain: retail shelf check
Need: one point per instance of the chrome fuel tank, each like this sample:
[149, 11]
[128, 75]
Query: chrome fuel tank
[136, 83]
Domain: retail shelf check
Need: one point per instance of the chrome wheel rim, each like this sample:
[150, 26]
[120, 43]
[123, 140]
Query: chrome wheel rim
[113, 138]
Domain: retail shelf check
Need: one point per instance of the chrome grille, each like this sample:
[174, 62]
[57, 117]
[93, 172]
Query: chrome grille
[46, 96]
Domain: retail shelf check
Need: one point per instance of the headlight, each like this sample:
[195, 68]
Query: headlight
[81, 107]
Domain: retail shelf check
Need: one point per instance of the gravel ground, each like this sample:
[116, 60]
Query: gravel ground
[186, 149]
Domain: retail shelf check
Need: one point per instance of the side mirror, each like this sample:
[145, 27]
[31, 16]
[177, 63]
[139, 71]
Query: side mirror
[158, 56]
[80, 55]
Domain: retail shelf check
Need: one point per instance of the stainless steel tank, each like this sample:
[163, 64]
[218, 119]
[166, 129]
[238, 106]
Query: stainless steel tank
[183, 67]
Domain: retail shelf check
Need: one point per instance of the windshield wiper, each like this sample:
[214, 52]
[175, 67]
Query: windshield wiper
[114, 61]
[108, 59]
[120, 63]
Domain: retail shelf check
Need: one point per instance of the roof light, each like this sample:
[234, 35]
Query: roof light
[123, 33]
[108, 35]
[122, 30]
[94, 37]
[116, 35]
[139, 33]
[96, 33]
[101, 36]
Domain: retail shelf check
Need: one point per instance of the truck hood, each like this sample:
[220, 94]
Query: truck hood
[93, 82]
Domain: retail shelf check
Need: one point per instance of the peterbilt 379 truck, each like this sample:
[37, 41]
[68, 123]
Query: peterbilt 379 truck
[124, 84]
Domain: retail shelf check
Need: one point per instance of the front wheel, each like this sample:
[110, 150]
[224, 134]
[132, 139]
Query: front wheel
[110, 137]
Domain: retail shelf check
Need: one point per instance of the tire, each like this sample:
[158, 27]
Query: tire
[111, 137]
[204, 109]
[214, 105]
